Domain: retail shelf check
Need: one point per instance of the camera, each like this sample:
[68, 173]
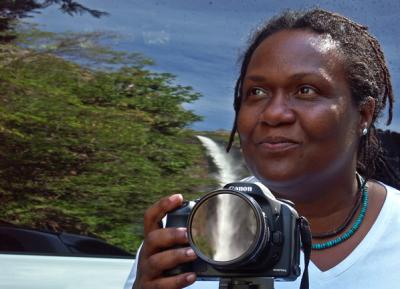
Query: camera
[241, 230]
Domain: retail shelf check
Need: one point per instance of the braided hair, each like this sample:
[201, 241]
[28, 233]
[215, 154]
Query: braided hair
[366, 73]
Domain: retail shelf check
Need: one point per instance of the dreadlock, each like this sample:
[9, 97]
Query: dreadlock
[366, 72]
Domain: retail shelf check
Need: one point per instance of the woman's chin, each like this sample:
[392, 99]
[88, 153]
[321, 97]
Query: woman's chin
[291, 187]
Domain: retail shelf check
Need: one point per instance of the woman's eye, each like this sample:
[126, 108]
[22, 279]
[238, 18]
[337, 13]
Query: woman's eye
[307, 91]
[257, 91]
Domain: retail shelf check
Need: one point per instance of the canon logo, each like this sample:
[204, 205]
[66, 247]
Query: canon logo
[241, 189]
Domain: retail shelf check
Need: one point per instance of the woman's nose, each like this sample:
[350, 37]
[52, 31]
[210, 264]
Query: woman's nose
[278, 111]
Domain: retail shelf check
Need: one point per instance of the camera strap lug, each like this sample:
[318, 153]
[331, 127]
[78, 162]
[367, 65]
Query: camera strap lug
[306, 241]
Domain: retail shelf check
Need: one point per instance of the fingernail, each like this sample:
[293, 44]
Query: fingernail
[190, 253]
[191, 278]
[183, 231]
[175, 197]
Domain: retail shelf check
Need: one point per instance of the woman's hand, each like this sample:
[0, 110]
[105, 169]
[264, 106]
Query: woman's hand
[157, 256]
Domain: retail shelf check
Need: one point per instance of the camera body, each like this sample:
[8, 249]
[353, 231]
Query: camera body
[272, 236]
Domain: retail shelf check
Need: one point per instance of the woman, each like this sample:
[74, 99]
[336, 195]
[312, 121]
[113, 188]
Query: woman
[311, 88]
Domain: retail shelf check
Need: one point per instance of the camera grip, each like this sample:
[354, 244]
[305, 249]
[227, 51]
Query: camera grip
[177, 219]
[183, 268]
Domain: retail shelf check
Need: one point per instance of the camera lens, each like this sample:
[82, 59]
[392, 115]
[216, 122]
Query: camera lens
[227, 228]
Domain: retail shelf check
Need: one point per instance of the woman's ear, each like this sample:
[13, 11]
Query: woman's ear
[367, 111]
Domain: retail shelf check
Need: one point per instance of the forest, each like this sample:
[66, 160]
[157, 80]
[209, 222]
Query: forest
[89, 136]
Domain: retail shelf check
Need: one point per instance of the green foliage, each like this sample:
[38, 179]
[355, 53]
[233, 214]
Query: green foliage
[85, 150]
[13, 10]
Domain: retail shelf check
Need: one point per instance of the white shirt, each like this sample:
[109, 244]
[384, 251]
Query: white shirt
[373, 264]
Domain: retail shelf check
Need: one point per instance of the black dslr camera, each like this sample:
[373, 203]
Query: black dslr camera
[241, 230]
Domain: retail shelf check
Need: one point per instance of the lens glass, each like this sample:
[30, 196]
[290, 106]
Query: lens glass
[224, 227]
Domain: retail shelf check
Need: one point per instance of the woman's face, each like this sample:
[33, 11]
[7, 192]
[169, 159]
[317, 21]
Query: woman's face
[297, 122]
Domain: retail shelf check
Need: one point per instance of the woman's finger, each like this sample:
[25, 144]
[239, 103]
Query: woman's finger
[157, 212]
[160, 239]
[174, 282]
[169, 259]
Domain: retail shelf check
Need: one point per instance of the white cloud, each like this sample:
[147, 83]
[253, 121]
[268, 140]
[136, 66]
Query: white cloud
[156, 37]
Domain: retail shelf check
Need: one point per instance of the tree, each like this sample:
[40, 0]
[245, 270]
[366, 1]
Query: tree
[86, 150]
[13, 10]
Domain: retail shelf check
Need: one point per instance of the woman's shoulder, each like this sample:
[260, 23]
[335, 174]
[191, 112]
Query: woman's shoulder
[391, 206]
[391, 191]
[250, 179]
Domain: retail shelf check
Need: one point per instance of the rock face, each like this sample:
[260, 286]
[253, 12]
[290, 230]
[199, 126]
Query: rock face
[391, 145]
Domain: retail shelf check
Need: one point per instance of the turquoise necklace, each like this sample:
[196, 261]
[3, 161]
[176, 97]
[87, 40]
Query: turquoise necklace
[356, 225]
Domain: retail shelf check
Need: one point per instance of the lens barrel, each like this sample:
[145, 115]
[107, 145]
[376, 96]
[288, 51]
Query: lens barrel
[228, 229]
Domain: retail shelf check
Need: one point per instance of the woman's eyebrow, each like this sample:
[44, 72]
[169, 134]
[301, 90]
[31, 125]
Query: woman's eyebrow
[320, 73]
[256, 78]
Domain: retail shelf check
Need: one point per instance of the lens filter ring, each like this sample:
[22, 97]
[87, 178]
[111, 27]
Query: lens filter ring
[227, 228]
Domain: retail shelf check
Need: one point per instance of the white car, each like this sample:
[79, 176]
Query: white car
[31, 259]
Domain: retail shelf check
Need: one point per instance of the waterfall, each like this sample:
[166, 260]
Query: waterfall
[222, 160]
[226, 174]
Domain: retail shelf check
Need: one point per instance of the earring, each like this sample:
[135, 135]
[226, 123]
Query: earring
[365, 131]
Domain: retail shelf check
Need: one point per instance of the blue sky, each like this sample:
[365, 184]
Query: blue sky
[200, 40]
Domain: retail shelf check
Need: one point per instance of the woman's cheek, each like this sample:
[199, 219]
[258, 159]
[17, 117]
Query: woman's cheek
[323, 122]
[245, 123]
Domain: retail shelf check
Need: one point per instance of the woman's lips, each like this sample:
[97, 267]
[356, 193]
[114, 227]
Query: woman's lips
[278, 144]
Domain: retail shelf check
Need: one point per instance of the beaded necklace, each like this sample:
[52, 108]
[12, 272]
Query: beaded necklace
[356, 225]
[348, 219]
